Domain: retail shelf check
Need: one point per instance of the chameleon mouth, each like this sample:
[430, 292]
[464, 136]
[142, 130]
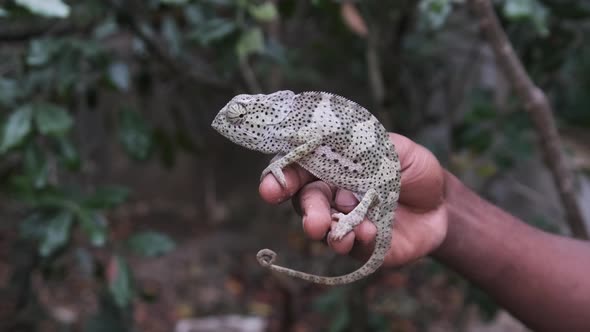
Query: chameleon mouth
[217, 123]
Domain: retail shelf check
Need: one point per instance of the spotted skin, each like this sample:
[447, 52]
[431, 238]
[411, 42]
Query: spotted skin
[336, 140]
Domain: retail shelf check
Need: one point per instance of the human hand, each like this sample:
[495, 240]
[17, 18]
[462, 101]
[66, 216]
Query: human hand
[420, 219]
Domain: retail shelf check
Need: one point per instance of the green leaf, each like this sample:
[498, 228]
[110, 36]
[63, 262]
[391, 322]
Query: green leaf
[56, 234]
[52, 231]
[193, 14]
[251, 41]
[434, 13]
[41, 51]
[89, 48]
[540, 21]
[151, 244]
[107, 197]
[330, 300]
[16, 128]
[33, 227]
[213, 30]
[108, 318]
[476, 138]
[118, 74]
[221, 2]
[378, 322]
[94, 224]
[120, 282]
[174, 2]
[35, 165]
[134, 135]
[568, 9]
[48, 197]
[487, 307]
[9, 91]
[528, 10]
[47, 8]
[264, 12]
[67, 69]
[482, 108]
[341, 321]
[67, 152]
[518, 9]
[106, 28]
[52, 119]
[172, 35]
[275, 51]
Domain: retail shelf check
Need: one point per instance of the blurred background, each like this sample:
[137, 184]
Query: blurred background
[121, 210]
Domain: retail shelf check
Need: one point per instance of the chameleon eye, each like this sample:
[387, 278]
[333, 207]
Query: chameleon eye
[236, 113]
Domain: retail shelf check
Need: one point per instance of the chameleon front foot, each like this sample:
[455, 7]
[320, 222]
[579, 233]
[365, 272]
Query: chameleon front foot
[277, 172]
[266, 257]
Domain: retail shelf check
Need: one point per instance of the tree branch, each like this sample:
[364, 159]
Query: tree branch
[24, 33]
[539, 109]
[273, 29]
[376, 81]
[249, 76]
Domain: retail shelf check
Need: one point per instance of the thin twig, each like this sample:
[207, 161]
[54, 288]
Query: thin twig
[540, 111]
[12, 34]
[374, 71]
[249, 76]
[273, 28]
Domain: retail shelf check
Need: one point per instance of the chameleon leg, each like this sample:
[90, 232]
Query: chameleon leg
[346, 222]
[276, 166]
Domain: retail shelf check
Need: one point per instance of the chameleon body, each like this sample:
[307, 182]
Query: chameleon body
[336, 140]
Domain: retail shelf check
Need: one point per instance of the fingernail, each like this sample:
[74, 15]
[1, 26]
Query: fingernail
[344, 198]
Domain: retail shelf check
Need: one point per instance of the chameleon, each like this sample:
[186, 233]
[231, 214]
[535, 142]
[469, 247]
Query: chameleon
[336, 140]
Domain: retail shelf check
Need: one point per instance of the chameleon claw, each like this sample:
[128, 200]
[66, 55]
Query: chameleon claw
[338, 216]
[343, 227]
[339, 233]
[277, 172]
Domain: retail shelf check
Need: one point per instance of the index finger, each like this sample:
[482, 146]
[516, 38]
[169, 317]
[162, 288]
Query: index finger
[272, 192]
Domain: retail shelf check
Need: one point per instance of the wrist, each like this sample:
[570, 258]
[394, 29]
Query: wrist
[465, 225]
[482, 240]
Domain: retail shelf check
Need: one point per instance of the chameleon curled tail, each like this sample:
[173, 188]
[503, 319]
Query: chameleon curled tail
[267, 257]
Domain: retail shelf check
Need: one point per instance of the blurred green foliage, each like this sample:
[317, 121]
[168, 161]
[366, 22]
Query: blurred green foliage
[61, 55]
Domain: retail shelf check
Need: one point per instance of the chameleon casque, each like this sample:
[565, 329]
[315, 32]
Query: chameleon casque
[336, 140]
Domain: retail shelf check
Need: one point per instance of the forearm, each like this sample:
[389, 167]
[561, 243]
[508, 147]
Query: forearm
[542, 279]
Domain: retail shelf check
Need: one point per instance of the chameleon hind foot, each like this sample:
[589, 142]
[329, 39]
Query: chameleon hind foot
[345, 224]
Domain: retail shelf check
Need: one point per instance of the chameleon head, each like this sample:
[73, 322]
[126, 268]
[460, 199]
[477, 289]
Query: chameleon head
[250, 120]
